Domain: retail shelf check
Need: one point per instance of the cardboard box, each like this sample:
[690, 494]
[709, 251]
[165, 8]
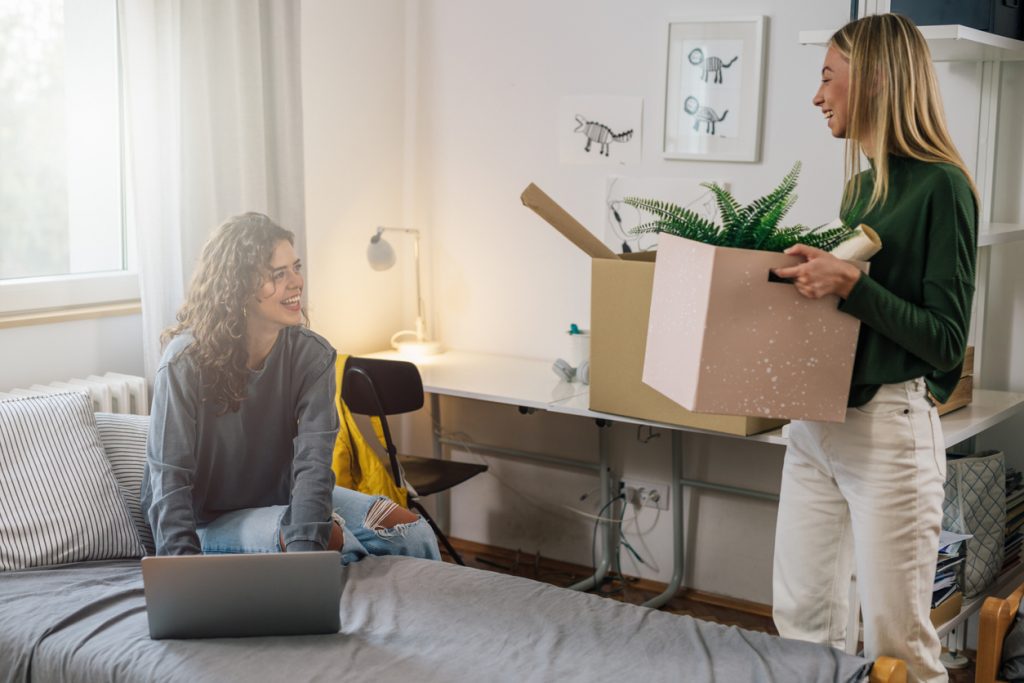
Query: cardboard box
[968, 369]
[726, 336]
[947, 610]
[619, 309]
[963, 392]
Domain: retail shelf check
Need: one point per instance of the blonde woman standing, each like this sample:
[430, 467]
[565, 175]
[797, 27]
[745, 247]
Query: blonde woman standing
[867, 494]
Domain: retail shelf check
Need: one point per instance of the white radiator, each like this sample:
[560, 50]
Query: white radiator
[112, 392]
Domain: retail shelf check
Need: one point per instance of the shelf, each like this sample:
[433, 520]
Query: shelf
[986, 409]
[952, 43]
[999, 233]
[1001, 588]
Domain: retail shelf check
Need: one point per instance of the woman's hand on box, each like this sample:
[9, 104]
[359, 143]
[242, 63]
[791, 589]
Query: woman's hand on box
[821, 273]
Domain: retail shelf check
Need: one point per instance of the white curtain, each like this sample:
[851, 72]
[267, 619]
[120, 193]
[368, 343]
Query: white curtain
[213, 111]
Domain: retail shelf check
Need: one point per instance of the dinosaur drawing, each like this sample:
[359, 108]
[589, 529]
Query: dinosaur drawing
[599, 133]
[709, 65]
[700, 114]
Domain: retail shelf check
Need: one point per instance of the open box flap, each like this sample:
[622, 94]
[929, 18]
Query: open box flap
[560, 220]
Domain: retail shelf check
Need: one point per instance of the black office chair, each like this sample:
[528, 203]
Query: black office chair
[378, 388]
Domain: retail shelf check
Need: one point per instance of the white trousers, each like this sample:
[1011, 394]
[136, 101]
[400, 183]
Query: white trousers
[867, 493]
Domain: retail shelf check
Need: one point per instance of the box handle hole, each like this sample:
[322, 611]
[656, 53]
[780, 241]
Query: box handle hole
[772, 277]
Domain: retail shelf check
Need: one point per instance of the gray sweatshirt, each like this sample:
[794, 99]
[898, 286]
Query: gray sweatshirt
[276, 450]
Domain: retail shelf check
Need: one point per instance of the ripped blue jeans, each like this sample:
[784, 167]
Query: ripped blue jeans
[257, 530]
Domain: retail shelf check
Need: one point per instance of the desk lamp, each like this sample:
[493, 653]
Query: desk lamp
[381, 256]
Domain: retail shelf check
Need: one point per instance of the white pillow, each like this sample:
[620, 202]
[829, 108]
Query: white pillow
[59, 501]
[124, 441]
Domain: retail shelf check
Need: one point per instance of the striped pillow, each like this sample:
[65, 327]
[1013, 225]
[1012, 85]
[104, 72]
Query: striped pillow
[59, 501]
[124, 441]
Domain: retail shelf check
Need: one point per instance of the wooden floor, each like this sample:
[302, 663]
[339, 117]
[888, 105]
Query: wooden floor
[748, 615]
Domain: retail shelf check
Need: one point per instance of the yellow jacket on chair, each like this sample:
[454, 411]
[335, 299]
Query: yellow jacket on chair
[355, 464]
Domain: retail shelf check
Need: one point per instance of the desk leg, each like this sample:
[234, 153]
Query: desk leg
[609, 542]
[676, 501]
[442, 500]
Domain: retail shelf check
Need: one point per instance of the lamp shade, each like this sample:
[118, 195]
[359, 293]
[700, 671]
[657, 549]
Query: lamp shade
[380, 253]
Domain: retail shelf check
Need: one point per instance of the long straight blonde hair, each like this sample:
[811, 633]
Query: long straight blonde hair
[894, 102]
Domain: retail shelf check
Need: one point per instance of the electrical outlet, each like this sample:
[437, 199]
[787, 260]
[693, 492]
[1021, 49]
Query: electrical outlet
[646, 493]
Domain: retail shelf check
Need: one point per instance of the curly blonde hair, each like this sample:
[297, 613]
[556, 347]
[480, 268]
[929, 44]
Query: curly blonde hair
[234, 264]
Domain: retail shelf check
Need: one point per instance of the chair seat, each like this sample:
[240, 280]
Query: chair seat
[430, 475]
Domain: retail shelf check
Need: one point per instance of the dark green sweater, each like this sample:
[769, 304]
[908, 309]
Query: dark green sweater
[915, 305]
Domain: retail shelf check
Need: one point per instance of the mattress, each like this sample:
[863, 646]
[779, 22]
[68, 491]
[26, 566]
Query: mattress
[403, 619]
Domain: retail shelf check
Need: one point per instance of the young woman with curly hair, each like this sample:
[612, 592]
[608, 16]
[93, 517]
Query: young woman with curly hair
[243, 421]
[867, 493]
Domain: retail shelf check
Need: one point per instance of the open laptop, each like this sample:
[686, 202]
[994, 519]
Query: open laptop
[269, 594]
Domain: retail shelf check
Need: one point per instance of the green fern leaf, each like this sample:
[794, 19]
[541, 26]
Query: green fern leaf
[644, 228]
[827, 240]
[731, 211]
[663, 210]
[755, 226]
[766, 212]
[769, 222]
[673, 219]
[784, 238]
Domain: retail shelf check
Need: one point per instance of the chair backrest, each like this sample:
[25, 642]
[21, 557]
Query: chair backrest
[377, 387]
[374, 386]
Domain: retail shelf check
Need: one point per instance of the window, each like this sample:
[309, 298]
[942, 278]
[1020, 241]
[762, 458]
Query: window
[62, 233]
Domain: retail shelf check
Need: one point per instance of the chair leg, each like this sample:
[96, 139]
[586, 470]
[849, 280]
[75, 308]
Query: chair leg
[437, 532]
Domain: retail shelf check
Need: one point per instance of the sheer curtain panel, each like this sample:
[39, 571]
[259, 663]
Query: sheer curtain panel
[213, 114]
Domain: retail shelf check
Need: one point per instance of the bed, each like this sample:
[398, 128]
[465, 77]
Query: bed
[72, 606]
[402, 619]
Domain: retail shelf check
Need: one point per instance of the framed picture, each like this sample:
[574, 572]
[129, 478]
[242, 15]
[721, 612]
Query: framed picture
[713, 76]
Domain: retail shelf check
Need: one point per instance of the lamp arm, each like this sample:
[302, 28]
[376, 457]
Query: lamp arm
[421, 327]
[408, 231]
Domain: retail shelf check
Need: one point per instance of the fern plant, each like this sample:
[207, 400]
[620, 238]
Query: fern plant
[755, 226]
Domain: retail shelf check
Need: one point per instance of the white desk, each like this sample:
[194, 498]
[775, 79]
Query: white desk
[987, 409]
[526, 383]
[531, 384]
[487, 377]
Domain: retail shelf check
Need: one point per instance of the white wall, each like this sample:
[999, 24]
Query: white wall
[489, 97]
[480, 84]
[353, 61]
[56, 352]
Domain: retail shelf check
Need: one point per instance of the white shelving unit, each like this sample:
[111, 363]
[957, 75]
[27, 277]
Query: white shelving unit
[951, 43]
[990, 234]
[988, 408]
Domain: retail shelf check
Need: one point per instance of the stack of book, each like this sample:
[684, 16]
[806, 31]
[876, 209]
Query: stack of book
[1014, 519]
[947, 596]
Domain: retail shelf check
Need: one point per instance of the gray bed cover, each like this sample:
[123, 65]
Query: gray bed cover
[402, 620]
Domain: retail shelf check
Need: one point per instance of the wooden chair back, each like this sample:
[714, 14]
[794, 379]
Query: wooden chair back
[997, 615]
[888, 670]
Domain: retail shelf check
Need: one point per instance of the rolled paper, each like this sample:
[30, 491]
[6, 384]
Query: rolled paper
[862, 245]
